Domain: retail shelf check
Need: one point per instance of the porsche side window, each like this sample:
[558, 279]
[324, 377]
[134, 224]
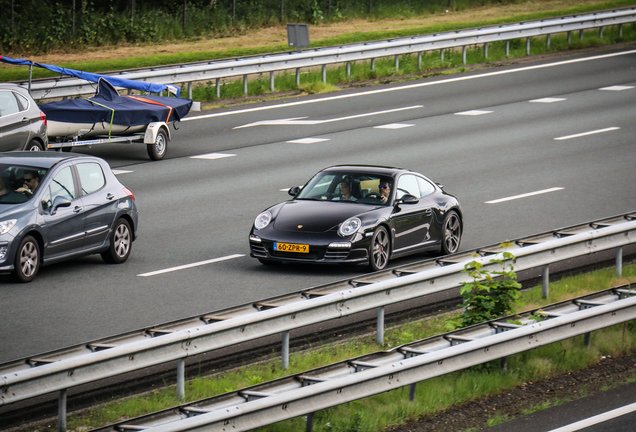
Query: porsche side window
[408, 185]
[425, 187]
[318, 187]
[91, 177]
[62, 185]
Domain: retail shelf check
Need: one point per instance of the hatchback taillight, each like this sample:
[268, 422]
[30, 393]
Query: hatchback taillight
[129, 193]
[43, 118]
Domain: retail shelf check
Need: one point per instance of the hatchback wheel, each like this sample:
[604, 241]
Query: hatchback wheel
[451, 233]
[27, 260]
[34, 145]
[120, 243]
[379, 250]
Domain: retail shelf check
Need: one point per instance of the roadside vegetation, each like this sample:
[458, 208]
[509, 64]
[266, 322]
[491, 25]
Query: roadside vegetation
[376, 413]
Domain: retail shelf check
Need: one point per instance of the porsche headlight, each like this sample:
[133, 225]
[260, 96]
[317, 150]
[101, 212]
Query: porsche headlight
[5, 226]
[349, 227]
[262, 220]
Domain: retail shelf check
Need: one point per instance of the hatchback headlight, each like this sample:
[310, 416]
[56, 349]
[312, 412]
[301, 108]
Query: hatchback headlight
[5, 226]
[262, 220]
[349, 227]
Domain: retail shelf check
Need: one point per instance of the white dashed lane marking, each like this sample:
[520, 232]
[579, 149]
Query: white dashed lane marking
[598, 131]
[524, 195]
[617, 88]
[212, 156]
[308, 140]
[393, 126]
[548, 100]
[473, 113]
[187, 266]
[118, 172]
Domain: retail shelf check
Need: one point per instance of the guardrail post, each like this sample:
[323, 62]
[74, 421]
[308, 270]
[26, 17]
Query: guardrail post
[271, 81]
[464, 54]
[245, 85]
[180, 379]
[620, 30]
[600, 32]
[61, 411]
[297, 77]
[372, 64]
[581, 34]
[397, 62]
[324, 74]
[412, 388]
[527, 46]
[285, 350]
[545, 281]
[507, 49]
[587, 338]
[619, 261]
[380, 325]
[218, 88]
[441, 54]
[569, 37]
[310, 422]
[547, 41]
[504, 364]
[486, 50]
[419, 60]
[190, 90]
[348, 69]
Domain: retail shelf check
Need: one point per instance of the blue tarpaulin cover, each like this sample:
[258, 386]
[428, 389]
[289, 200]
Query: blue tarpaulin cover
[88, 76]
[109, 107]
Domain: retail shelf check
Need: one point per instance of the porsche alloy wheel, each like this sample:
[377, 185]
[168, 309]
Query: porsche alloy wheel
[451, 233]
[27, 260]
[379, 250]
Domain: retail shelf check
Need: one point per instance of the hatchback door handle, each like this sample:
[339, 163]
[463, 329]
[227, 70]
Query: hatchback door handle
[77, 209]
[110, 196]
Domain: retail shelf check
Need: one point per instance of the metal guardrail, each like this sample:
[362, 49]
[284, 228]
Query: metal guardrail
[237, 67]
[65, 368]
[371, 374]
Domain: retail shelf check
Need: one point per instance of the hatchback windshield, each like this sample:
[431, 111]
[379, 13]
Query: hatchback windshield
[348, 187]
[18, 183]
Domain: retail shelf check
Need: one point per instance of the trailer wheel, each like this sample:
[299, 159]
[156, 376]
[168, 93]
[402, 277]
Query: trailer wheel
[157, 151]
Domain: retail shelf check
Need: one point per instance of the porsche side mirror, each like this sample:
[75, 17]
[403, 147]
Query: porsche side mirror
[408, 199]
[58, 202]
[294, 191]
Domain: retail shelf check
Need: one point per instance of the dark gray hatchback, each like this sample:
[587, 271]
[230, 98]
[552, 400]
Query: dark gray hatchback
[23, 125]
[56, 206]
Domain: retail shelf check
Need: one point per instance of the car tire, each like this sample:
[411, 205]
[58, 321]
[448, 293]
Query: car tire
[34, 145]
[379, 249]
[451, 233]
[157, 151]
[120, 243]
[27, 260]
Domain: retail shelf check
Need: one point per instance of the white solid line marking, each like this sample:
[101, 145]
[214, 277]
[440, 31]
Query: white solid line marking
[597, 419]
[548, 100]
[212, 156]
[187, 266]
[408, 87]
[587, 133]
[616, 88]
[473, 113]
[300, 121]
[524, 195]
[394, 126]
[117, 172]
[308, 140]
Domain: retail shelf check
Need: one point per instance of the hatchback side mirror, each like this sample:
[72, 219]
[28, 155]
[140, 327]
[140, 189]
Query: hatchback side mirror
[59, 201]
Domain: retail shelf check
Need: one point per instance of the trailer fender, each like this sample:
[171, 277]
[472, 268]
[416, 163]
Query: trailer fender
[153, 129]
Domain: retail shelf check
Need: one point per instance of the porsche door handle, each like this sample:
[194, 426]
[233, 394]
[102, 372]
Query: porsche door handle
[77, 209]
[428, 212]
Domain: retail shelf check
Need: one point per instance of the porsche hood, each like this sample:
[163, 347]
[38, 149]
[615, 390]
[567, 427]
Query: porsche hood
[316, 216]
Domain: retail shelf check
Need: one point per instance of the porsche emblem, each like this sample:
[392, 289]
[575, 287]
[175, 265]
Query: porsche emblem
[300, 226]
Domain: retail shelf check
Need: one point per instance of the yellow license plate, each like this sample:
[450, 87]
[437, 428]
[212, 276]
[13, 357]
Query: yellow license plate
[291, 247]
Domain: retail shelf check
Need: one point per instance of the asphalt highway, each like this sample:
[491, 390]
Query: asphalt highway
[526, 148]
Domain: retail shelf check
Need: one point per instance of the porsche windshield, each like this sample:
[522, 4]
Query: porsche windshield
[348, 187]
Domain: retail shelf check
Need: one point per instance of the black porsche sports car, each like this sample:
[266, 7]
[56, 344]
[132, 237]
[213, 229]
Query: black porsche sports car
[360, 215]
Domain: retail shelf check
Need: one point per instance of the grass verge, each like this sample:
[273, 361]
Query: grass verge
[393, 408]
